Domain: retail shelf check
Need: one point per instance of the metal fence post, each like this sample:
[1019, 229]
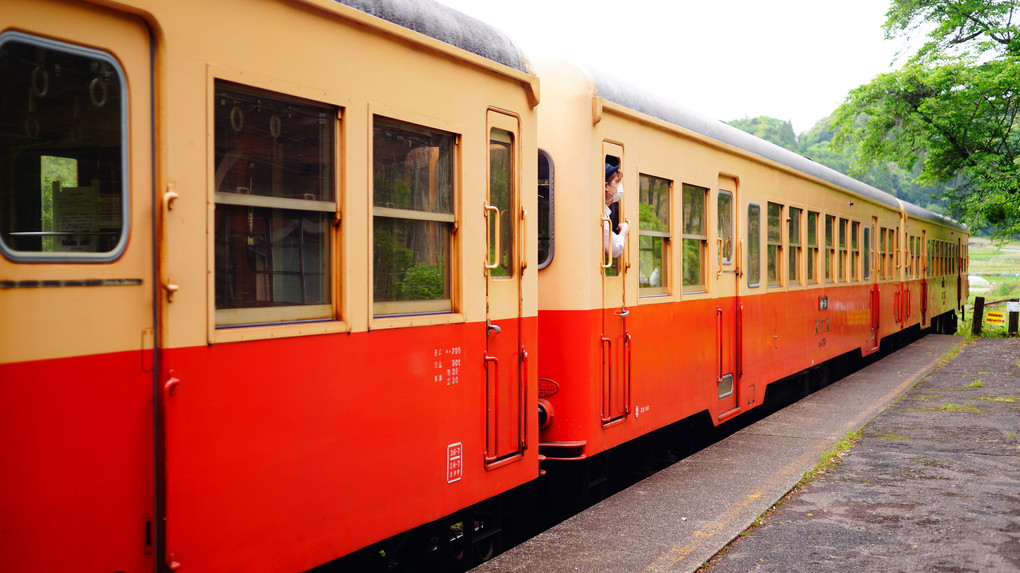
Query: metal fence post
[1013, 321]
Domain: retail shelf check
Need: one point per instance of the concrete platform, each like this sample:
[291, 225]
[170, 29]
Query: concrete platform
[680, 517]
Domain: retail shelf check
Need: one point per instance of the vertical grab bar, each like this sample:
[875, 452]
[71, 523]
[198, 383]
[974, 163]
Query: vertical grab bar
[488, 238]
[523, 399]
[607, 379]
[524, 239]
[607, 253]
[492, 413]
[627, 356]
[719, 341]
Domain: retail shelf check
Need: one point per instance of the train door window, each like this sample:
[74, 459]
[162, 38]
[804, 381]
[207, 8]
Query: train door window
[841, 266]
[793, 224]
[830, 250]
[812, 248]
[866, 255]
[774, 244]
[753, 245]
[695, 237]
[63, 157]
[724, 206]
[654, 235]
[613, 244]
[546, 211]
[274, 193]
[501, 197]
[855, 251]
[412, 218]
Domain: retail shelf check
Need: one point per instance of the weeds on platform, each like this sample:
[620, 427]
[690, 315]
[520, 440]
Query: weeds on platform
[976, 384]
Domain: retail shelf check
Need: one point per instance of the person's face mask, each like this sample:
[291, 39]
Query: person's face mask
[618, 196]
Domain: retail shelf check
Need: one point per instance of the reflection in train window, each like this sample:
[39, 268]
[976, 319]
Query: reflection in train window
[753, 245]
[412, 223]
[654, 235]
[274, 181]
[62, 151]
[793, 224]
[546, 210]
[812, 247]
[774, 244]
[501, 198]
[695, 238]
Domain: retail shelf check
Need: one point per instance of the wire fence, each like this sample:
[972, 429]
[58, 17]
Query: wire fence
[995, 319]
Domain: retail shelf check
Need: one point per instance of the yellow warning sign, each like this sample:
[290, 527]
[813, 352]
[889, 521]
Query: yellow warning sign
[995, 318]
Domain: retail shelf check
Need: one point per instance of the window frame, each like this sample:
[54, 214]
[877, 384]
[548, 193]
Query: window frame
[224, 320]
[19, 256]
[701, 239]
[811, 269]
[666, 238]
[757, 243]
[778, 245]
[795, 218]
[550, 202]
[431, 311]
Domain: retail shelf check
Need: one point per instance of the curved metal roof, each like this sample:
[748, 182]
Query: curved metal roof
[621, 93]
[446, 25]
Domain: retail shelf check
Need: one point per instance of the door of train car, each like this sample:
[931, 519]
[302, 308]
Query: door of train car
[76, 295]
[727, 275]
[615, 341]
[505, 358]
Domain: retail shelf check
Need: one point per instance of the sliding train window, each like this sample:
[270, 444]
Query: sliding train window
[774, 245]
[412, 218]
[274, 191]
[695, 237]
[63, 152]
[842, 266]
[654, 235]
[546, 210]
[812, 248]
[830, 249]
[855, 252]
[866, 246]
[753, 245]
[793, 234]
[500, 208]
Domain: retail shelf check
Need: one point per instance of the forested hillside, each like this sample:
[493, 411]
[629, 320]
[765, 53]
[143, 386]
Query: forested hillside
[814, 144]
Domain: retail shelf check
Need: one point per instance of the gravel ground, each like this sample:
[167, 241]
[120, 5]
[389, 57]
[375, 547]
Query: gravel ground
[933, 484]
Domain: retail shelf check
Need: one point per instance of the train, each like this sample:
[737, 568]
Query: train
[283, 279]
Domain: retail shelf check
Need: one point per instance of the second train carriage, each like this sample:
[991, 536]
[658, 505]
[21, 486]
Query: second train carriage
[745, 264]
[264, 279]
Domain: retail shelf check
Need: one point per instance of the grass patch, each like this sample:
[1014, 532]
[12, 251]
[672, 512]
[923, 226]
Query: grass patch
[891, 437]
[949, 408]
[1009, 398]
[976, 384]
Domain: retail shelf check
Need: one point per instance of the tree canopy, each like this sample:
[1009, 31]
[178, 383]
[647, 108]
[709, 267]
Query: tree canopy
[950, 110]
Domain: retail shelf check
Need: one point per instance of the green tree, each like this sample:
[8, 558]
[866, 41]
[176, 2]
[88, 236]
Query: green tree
[770, 129]
[950, 110]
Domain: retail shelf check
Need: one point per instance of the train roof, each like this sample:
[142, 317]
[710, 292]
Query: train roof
[621, 93]
[446, 25]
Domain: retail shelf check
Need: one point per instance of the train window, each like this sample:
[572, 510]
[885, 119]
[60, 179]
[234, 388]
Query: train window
[793, 232]
[274, 182]
[830, 250]
[890, 254]
[855, 250]
[546, 208]
[413, 218]
[654, 235]
[866, 257]
[753, 245]
[774, 244]
[695, 238]
[841, 266]
[724, 204]
[63, 153]
[501, 197]
[812, 247]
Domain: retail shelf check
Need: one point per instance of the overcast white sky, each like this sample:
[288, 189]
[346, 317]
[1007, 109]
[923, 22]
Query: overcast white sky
[727, 59]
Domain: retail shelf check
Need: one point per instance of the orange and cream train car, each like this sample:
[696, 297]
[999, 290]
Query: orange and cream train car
[745, 264]
[264, 279]
[270, 279]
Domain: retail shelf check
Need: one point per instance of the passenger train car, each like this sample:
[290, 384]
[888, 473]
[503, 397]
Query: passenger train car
[281, 279]
[746, 263]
